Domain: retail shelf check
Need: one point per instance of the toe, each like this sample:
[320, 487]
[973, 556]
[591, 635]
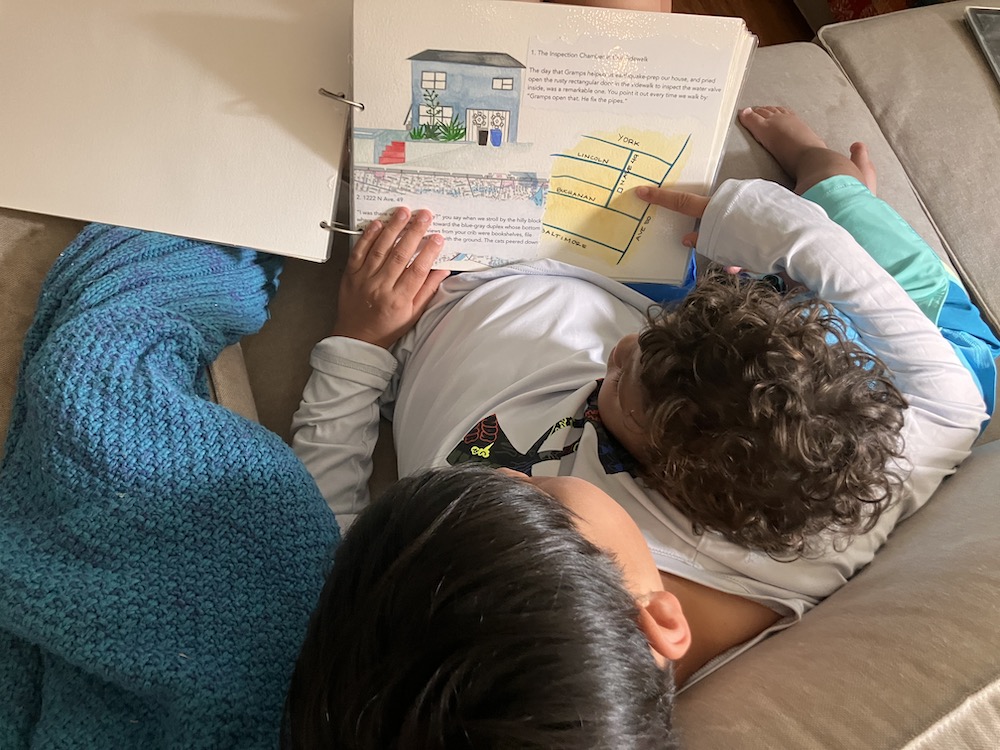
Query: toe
[751, 116]
[862, 160]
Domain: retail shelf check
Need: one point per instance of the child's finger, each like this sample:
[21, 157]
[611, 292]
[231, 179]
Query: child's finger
[402, 252]
[413, 277]
[689, 204]
[356, 258]
[427, 289]
[690, 239]
[386, 239]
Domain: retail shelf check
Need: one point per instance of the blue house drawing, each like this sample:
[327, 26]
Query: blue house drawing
[480, 90]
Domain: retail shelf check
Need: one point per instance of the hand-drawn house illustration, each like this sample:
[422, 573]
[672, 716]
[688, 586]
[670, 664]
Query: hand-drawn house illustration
[480, 91]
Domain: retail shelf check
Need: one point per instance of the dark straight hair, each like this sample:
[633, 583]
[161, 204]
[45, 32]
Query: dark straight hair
[465, 610]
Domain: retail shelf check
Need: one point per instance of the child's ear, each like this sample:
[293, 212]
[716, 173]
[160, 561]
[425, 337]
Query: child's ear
[665, 626]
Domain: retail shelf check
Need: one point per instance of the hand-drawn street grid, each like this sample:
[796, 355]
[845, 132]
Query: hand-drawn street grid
[590, 201]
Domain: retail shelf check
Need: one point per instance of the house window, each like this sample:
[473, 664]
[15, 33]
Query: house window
[433, 115]
[503, 84]
[434, 80]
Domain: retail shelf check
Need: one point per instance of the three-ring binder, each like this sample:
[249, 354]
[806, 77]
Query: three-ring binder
[342, 98]
[336, 226]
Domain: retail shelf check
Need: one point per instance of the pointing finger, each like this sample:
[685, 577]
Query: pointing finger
[689, 204]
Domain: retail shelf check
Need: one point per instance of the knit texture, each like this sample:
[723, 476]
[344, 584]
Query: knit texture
[159, 555]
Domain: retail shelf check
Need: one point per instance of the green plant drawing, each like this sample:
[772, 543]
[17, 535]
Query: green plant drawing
[451, 131]
[434, 108]
[420, 133]
[437, 129]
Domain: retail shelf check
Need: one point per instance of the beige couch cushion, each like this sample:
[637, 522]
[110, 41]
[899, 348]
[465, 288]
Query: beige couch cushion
[907, 652]
[928, 85]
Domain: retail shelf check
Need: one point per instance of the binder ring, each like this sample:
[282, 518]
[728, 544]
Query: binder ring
[341, 98]
[340, 228]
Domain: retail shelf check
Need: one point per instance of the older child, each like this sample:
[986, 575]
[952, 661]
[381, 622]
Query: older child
[537, 367]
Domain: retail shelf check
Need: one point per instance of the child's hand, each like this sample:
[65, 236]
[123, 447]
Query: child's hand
[385, 288]
[689, 204]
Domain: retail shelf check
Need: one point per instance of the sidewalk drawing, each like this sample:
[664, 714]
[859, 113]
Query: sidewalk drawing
[590, 205]
[500, 187]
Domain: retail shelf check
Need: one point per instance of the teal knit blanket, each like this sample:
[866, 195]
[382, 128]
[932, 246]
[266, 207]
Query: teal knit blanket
[159, 555]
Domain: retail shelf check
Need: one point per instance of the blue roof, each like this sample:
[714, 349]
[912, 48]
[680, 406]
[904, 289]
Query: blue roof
[492, 59]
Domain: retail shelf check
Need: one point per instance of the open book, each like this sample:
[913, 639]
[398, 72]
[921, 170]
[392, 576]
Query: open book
[526, 127]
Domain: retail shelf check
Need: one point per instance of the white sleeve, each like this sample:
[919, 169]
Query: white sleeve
[335, 428]
[766, 228]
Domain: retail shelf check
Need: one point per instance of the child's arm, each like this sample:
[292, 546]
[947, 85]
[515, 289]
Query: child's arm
[335, 428]
[383, 293]
[885, 236]
[916, 267]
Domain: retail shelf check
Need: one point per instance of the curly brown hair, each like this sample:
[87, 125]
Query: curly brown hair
[766, 423]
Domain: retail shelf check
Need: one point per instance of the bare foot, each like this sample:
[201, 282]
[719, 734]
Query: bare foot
[801, 152]
[783, 133]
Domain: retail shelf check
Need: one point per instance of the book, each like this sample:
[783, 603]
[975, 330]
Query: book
[525, 127]
[196, 119]
[985, 26]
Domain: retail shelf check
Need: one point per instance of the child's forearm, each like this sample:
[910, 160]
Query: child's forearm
[897, 247]
[335, 428]
[887, 238]
[768, 229]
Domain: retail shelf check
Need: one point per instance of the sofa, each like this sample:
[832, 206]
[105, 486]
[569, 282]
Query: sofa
[907, 654]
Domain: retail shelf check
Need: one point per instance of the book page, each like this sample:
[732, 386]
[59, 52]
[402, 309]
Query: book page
[525, 128]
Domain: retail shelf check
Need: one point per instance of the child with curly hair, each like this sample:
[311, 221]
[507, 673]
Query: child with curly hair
[745, 453]
[766, 417]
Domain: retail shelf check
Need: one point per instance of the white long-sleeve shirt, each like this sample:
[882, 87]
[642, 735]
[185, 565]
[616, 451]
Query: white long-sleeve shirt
[506, 360]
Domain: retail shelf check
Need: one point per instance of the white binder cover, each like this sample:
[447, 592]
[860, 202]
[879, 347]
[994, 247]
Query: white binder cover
[180, 116]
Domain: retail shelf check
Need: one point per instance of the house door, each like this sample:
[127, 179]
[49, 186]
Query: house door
[479, 123]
